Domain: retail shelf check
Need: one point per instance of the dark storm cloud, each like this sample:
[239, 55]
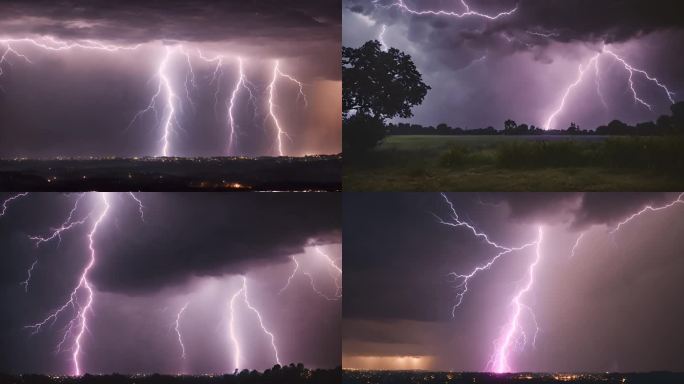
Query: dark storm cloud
[198, 21]
[212, 235]
[183, 235]
[560, 20]
[483, 72]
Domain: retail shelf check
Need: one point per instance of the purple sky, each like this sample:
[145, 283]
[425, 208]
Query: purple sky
[191, 249]
[483, 72]
[598, 310]
[80, 102]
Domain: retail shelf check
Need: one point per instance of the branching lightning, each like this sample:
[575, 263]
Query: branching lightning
[646, 209]
[335, 274]
[630, 84]
[6, 202]
[237, 350]
[500, 359]
[280, 132]
[441, 12]
[241, 83]
[79, 323]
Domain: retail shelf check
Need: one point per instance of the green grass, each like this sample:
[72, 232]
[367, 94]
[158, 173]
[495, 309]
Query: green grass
[503, 163]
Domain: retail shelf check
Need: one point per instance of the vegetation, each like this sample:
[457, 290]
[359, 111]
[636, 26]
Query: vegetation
[512, 163]
[292, 374]
[376, 85]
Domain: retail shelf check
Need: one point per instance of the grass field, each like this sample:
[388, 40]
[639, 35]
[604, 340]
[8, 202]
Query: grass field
[527, 163]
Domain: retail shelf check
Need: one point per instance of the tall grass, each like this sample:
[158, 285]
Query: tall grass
[652, 153]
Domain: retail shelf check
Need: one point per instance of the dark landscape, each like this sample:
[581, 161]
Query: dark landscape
[310, 173]
[405, 377]
[288, 374]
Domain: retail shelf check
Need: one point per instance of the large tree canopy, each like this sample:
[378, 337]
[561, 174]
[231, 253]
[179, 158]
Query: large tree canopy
[382, 84]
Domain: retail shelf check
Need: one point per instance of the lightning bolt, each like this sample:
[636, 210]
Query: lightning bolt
[440, 12]
[6, 202]
[68, 224]
[165, 86]
[647, 209]
[79, 323]
[177, 328]
[582, 71]
[242, 293]
[216, 75]
[631, 70]
[630, 83]
[462, 280]
[50, 43]
[500, 363]
[141, 208]
[335, 271]
[381, 38]
[292, 275]
[576, 245]
[241, 83]
[335, 274]
[280, 133]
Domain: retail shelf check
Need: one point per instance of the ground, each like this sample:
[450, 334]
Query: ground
[473, 163]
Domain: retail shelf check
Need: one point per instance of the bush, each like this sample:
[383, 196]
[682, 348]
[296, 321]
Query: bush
[647, 153]
[455, 156]
[362, 133]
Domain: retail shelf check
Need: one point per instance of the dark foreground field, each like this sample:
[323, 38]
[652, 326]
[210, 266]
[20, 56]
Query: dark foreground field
[412, 377]
[311, 173]
[277, 375]
[519, 163]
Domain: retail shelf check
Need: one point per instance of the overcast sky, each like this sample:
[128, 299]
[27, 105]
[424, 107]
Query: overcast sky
[190, 249]
[80, 102]
[613, 306]
[518, 66]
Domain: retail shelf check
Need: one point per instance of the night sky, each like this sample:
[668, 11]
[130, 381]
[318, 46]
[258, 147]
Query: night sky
[613, 306]
[190, 249]
[483, 72]
[80, 102]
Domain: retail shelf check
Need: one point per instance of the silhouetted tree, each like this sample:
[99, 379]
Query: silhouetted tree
[378, 83]
[509, 127]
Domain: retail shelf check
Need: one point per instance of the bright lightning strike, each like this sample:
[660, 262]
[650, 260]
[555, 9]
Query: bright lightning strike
[500, 359]
[335, 274]
[381, 38]
[582, 70]
[280, 132]
[241, 83]
[648, 208]
[177, 328]
[440, 12]
[462, 280]
[237, 351]
[68, 224]
[9, 200]
[78, 324]
[630, 82]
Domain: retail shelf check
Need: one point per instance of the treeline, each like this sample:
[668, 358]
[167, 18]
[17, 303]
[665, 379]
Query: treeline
[292, 374]
[664, 125]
